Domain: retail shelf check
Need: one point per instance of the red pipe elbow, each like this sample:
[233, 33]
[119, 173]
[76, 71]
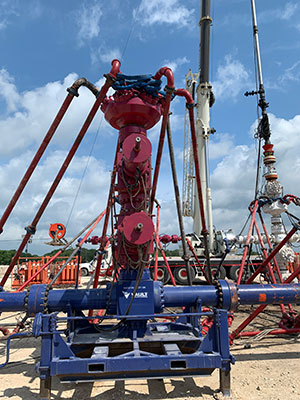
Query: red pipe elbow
[115, 67]
[186, 94]
[168, 73]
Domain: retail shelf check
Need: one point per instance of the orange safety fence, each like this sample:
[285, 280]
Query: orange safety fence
[28, 266]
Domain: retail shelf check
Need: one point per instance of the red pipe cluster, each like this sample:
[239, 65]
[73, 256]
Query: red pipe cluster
[132, 112]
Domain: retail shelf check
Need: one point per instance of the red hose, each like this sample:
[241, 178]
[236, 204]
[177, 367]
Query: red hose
[168, 73]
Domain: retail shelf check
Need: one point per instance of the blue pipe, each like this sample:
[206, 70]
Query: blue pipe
[270, 294]
[187, 296]
[62, 300]
[59, 300]
[12, 301]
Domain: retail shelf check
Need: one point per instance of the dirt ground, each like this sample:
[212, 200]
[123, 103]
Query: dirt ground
[269, 369]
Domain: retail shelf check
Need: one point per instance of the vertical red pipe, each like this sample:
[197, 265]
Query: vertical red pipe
[190, 106]
[105, 225]
[36, 159]
[167, 264]
[266, 256]
[246, 246]
[156, 239]
[169, 89]
[204, 232]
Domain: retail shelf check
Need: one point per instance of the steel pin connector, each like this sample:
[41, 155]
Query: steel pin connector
[139, 227]
[137, 146]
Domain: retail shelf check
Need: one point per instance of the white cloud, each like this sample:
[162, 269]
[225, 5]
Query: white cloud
[291, 74]
[8, 10]
[220, 146]
[170, 12]
[233, 179]
[8, 90]
[288, 11]
[285, 13]
[176, 122]
[177, 63]
[29, 114]
[90, 202]
[108, 56]
[231, 78]
[88, 21]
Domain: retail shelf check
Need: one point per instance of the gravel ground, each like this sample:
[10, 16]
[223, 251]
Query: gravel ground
[269, 370]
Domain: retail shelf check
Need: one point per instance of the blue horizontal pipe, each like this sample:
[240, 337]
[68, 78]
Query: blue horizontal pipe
[61, 300]
[79, 299]
[58, 300]
[180, 296]
[12, 301]
[270, 294]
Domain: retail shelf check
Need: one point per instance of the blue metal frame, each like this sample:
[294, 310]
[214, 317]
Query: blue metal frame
[167, 349]
[136, 346]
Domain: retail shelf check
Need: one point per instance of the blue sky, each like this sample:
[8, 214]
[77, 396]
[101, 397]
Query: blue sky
[46, 45]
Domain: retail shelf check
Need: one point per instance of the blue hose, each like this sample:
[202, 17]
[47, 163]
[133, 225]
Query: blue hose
[139, 82]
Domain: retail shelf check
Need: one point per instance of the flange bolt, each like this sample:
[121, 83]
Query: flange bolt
[139, 227]
[137, 146]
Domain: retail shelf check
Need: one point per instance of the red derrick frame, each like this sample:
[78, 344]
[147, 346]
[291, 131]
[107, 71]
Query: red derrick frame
[266, 265]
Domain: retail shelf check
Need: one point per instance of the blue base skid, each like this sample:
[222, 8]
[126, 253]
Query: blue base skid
[167, 349]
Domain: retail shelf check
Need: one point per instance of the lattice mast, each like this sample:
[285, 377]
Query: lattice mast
[204, 102]
[188, 160]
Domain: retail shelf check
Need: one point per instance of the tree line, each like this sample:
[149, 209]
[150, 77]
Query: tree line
[87, 255]
[6, 255]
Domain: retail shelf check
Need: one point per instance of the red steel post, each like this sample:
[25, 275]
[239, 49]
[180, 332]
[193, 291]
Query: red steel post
[167, 264]
[106, 220]
[241, 270]
[169, 89]
[274, 260]
[196, 258]
[156, 239]
[190, 104]
[272, 254]
[246, 322]
[266, 256]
